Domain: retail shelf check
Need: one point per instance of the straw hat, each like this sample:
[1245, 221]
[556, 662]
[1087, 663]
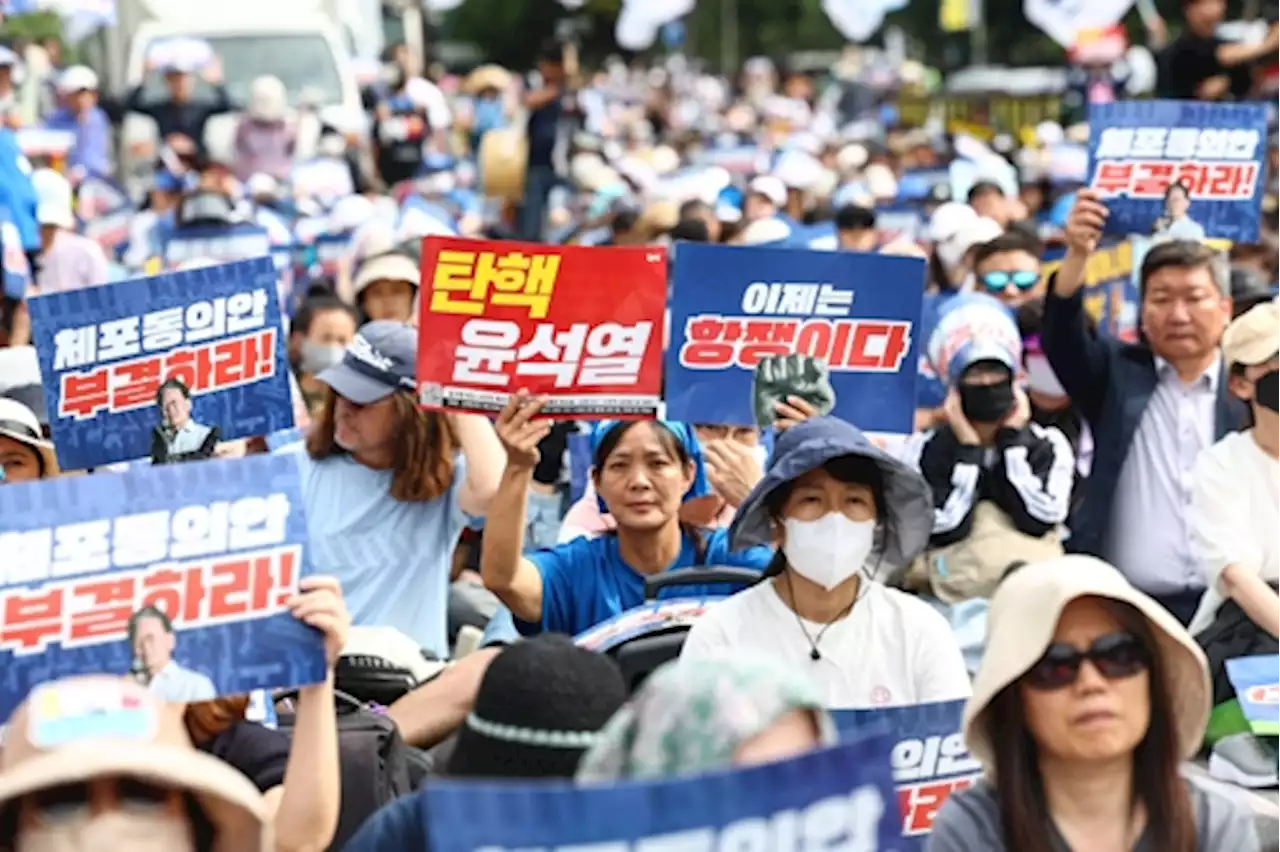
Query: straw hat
[1020, 624]
[78, 729]
[487, 77]
[504, 157]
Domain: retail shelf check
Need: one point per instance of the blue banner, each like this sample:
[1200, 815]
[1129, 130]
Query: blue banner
[217, 243]
[104, 352]
[838, 798]
[1110, 297]
[750, 326]
[1180, 169]
[217, 547]
[928, 757]
[1257, 684]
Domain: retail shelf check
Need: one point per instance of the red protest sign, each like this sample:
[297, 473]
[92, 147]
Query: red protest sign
[581, 325]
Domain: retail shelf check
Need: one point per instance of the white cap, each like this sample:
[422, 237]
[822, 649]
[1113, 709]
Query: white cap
[268, 98]
[261, 183]
[771, 188]
[798, 170]
[948, 219]
[851, 157]
[952, 250]
[77, 78]
[880, 181]
[765, 231]
[349, 213]
[54, 204]
[387, 267]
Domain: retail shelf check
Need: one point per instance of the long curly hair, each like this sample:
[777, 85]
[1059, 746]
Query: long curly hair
[422, 468]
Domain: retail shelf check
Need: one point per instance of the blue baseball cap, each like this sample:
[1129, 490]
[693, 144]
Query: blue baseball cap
[380, 360]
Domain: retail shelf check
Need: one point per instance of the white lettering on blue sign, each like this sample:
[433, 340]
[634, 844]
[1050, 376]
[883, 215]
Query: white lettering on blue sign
[796, 300]
[1177, 143]
[143, 539]
[160, 330]
[837, 822]
[920, 759]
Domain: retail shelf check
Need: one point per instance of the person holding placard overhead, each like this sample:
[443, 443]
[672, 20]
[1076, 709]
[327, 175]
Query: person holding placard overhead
[388, 487]
[839, 509]
[642, 471]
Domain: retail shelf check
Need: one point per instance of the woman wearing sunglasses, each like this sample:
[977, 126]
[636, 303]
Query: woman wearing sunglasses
[1089, 696]
[1008, 268]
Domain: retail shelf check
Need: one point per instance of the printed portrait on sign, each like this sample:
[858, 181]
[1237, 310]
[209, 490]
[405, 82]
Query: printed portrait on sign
[178, 437]
[153, 642]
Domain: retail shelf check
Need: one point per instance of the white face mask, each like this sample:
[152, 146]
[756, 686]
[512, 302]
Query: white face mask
[830, 550]
[317, 357]
[135, 829]
[1041, 378]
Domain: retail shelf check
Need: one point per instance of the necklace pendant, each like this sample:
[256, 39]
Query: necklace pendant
[815, 654]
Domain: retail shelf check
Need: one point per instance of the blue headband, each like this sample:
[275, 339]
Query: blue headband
[683, 432]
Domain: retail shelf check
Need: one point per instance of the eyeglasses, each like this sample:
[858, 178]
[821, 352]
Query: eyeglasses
[998, 281]
[1115, 656]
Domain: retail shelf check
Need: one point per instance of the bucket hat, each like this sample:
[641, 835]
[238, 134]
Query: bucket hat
[78, 729]
[809, 445]
[1021, 619]
[20, 423]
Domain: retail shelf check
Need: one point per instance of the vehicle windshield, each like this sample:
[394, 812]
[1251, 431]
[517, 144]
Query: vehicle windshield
[302, 61]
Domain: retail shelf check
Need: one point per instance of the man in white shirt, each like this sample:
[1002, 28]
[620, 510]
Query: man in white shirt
[1236, 490]
[178, 437]
[152, 638]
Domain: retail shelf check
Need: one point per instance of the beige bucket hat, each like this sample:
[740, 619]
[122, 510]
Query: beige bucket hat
[1020, 623]
[97, 726]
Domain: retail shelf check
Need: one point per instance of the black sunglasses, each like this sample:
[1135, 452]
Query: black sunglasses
[1115, 655]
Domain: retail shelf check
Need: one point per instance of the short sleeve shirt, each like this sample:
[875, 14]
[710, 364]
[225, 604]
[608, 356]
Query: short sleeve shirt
[586, 581]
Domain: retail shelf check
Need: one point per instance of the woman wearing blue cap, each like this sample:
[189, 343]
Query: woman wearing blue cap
[642, 471]
[839, 509]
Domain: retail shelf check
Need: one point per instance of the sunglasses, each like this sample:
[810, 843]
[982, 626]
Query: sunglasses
[998, 281]
[1115, 656]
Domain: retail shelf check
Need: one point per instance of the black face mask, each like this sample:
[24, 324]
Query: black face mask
[1266, 391]
[987, 403]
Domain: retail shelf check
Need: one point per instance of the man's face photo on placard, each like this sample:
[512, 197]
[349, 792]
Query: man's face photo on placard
[1177, 201]
[153, 641]
[175, 406]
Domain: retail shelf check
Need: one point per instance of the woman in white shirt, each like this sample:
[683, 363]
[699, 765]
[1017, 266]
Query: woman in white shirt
[837, 507]
[1235, 499]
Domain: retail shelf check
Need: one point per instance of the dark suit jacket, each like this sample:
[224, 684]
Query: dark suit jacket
[160, 447]
[1111, 382]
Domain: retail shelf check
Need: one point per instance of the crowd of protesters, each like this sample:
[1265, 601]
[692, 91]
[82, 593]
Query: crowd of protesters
[1077, 537]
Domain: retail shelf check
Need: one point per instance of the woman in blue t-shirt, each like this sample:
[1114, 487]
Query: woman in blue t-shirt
[642, 471]
[388, 487]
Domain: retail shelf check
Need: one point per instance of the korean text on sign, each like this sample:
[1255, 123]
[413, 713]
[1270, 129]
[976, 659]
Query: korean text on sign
[929, 759]
[104, 355]
[1181, 169]
[218, 547]
[580, 325]
[854, 314]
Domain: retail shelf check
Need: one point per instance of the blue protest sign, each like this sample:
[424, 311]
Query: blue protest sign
[836, 798]
[751, 324]
[1110, 298]
[104, 352]
[1179, 169]
[1257, 684]
[218, 243]
[217, 547]
[579, 446]
[928, 757]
